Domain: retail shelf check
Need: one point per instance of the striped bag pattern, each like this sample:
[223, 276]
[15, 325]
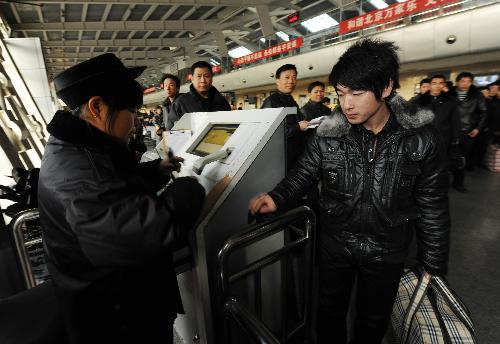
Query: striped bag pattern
[427, 311]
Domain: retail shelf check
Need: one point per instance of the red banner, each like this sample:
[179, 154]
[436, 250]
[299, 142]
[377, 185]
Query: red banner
[149, 90]
[216, 69]
[392, 12]
[271, 51]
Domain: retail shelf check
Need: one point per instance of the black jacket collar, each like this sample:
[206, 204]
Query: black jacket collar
[69, 128]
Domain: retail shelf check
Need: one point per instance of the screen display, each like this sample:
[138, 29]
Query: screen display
[214, 139]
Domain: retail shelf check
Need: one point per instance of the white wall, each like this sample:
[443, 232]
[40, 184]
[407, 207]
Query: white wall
[28, 58]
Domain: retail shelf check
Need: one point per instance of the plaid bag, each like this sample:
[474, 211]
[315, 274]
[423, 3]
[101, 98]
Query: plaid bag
[427, 311]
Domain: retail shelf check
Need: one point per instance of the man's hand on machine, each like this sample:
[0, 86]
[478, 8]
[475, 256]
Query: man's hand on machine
[263, 204]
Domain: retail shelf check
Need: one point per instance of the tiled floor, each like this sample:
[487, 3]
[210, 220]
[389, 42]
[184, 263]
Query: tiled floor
[474, 270]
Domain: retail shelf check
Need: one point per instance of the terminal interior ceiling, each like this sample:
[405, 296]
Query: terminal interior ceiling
[149, 32]
[40, 39]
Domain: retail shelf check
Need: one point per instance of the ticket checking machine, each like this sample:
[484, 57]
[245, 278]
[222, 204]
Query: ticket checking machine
[234, 155]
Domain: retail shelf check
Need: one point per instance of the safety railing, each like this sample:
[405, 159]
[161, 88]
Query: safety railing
[298, 227]
[27, 239]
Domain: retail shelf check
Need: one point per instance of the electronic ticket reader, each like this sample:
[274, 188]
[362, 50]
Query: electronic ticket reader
[234, 155]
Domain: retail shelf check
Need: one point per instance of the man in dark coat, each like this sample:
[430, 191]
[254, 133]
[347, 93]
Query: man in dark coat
[202, 96]
[315, 107]
[383, 175]
[296, 126]
[108, 236]
[494, 111]
[171, 85]
[445, 109]
[473, 114]
[425, 86]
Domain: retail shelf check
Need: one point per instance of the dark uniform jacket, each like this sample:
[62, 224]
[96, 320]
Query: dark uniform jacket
[313, 109]
[472, 110]
[369, 207]
[295, 138]
[193, 102]
[108, 237]
[446, 115]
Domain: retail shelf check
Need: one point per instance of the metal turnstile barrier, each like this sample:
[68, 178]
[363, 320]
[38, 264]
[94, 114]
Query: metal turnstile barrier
[27, 240]
[296, 241]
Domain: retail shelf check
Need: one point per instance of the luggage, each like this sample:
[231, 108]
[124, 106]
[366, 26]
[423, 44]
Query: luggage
[492, 158]
[427, 311]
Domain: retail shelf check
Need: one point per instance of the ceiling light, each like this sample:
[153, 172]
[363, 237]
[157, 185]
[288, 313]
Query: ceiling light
[318, 23]
[239, 52]
[378, 4]
[214, 62]
[283, 35]
[263, 40]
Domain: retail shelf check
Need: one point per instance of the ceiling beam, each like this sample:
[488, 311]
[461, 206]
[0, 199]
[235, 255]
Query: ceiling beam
[54, 56]
[266, 24]
[149, 42]
[155, 25]
[64, 64]
[233, 3]
[221, 42]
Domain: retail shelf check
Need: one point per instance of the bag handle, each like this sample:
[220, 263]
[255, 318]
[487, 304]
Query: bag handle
[416, 299]
[453, 301]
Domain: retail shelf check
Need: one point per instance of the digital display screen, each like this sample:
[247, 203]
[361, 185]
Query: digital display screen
[214, 139]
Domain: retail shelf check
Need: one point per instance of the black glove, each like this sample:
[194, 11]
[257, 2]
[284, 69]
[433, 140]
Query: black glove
[185, 197]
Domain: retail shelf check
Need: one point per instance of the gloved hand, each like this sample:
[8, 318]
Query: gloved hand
[185, 198]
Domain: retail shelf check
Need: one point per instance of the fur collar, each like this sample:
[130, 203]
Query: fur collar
[69, 128]
[407, 115]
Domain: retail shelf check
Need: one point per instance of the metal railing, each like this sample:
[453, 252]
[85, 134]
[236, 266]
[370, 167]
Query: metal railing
[295, 240]
[27, 237]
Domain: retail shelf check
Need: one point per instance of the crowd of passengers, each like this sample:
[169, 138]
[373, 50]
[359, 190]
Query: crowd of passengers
[467, 117]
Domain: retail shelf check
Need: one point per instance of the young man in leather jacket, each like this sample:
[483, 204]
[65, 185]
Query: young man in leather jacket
[383, 177]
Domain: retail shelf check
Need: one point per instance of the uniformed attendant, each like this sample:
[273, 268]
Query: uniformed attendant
[108, 236]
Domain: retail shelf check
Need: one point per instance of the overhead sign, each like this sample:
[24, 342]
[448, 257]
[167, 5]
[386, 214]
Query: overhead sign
[271, 51]
[292, 18]
[392, 12]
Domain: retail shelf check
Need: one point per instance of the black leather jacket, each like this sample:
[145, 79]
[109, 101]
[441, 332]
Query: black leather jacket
[368, 210]
[295, 138]
[472, 110]
[446, 115]
[193, 102]
[312, 110]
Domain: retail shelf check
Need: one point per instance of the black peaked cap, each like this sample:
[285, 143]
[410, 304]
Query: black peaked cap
[100, 75]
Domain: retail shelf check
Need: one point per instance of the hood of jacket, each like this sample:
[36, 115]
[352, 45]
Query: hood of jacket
[408, 115]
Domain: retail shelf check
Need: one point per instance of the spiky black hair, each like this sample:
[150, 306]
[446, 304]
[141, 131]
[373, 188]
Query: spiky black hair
[367, 65]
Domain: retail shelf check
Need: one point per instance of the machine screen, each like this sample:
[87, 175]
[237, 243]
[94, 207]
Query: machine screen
[214, 139]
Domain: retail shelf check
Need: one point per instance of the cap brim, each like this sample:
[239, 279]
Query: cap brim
[135, 72]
